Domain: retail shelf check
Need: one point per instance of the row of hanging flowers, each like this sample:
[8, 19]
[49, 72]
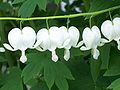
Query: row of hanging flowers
[62, 37]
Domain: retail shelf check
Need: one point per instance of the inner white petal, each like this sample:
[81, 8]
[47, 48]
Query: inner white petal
[95, 53]
[67, 54]
[54, 56]
[23, 57]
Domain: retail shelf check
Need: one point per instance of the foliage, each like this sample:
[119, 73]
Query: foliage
[81, 72]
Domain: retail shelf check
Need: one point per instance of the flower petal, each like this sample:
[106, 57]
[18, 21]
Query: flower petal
[23, 58]
[43, 39]
[108, 30]
[14, 38]
[64, 36]
[95, 53]
[118, 42]
[67, 44]
[97, 34]
[83, 48]
[116, 22]
[79, 44]
[88, 37]
[7, 46]
[2, 49]
[54, 56]
[74, 35]
[66, 54]
[56, 37]
[28, 42]
[40, 49]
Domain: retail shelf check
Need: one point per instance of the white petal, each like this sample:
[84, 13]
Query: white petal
[95, 53]
[63, 4]
[28, 37]
[83, 48]
[67, 44]
[88, 37]
[66, 54]
[71, 1]
[103, 41]
[54, 56]
[43, 38]
[64, 35]
[23, 58]
[2, 49]
[55, 37]
[37, 43]
[40, 49]
[14, 38]
[7, 46]
[118, 42]
[116, 24]
[79, 44]
[108, 30]
[74, 35]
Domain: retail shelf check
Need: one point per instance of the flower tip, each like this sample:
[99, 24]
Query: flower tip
[23, 59]
[2, 49]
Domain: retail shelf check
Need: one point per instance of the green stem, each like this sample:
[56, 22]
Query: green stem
[63, 16]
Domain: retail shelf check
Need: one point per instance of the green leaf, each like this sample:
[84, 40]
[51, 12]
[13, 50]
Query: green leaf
[95, 68]
[105, 56]
[13, 80]
[27, 8]
[57, 1]
[3, 59]
[5, 7]
[17, 1]
[54, 72]
[83, 79]
[115, 85]
[39, 86]
[42, 4]
[114, 67]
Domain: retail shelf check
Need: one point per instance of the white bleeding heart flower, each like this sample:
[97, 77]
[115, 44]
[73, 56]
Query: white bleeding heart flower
[111, 30]
[49, 40]
[70, 39]
[21, 40]
[91, 39]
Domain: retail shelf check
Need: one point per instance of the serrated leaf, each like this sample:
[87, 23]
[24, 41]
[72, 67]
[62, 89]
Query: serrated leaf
[13, 80]
[53, 71]
[115, 85]
[17, 1]
[27, 8]
[114, 67]
[42, 4]
[105, 56]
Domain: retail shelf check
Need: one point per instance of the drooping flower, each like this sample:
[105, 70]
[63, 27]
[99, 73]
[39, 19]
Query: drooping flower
[21, 40]
[111, 30]
[49, 40]
[70, 39]
[91, 39]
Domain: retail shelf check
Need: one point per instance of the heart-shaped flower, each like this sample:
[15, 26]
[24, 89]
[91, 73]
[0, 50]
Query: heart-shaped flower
[49, 40]
[91, 39]
[70, 39]
[21, 40]
[111, 30]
